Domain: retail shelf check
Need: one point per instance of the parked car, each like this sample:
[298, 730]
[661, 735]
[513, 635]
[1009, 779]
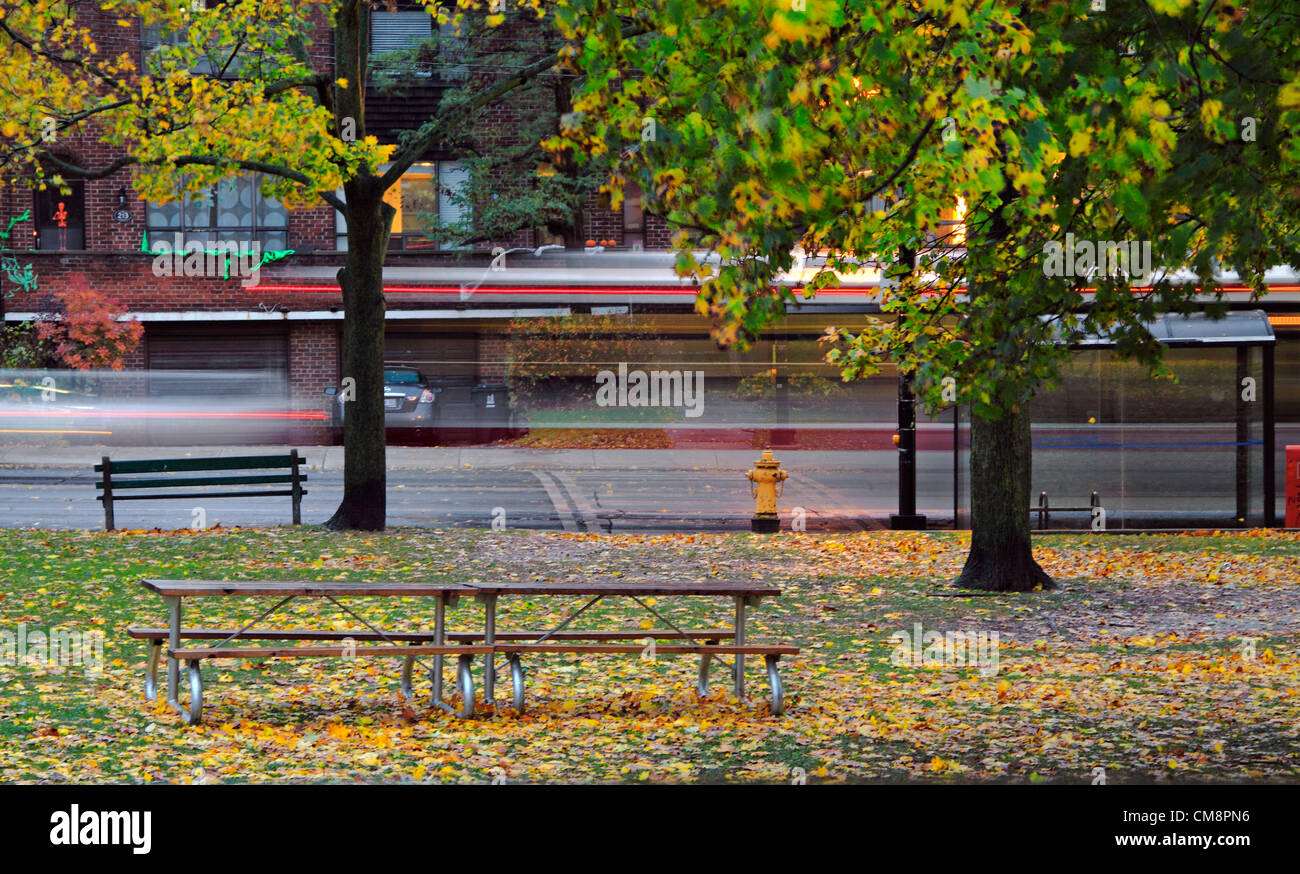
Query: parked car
[410, 402]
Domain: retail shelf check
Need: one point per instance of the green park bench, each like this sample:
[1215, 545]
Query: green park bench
[125, 476]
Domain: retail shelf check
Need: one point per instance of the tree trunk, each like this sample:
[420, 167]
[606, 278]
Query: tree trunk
[362, 282]
[1000, 558]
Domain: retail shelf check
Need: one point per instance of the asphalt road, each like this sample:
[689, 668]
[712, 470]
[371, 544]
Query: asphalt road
[652, 490]
[559, 500]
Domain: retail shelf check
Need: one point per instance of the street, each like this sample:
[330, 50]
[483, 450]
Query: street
[554, 497]
[642, 490]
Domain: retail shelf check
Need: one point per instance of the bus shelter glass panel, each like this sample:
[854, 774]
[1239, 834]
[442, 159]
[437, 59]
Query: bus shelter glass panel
[1287, 386]
[1158, 452]
[961, 468]
[632, 374]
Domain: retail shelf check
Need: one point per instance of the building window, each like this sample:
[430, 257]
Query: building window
[234, 210]
[409, 35]
[427, 199]
[155, 40]
[633, 218]
[952, 226]
[61, 218]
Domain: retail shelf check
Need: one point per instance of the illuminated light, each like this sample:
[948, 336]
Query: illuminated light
[870, 92]
[1287, 321]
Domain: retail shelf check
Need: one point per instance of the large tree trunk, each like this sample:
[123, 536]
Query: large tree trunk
[362, 281]
[1000, 558]
[369, 221]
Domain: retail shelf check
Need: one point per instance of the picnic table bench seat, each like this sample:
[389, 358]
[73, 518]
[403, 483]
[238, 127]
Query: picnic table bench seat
[160, 634]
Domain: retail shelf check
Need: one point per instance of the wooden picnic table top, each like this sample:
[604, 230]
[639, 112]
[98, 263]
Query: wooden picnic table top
[316, 588]
[728, 588]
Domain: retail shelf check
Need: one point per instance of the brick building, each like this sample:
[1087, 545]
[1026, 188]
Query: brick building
[289, 323]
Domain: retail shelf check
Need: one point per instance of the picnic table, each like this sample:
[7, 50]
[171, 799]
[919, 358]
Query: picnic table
[412, 645]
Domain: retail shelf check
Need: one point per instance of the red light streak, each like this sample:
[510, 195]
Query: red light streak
[636, 290]
[309, 415]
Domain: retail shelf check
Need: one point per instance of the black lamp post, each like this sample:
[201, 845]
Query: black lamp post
[906, 519]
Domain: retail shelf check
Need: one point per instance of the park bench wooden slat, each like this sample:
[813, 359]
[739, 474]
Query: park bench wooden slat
[162, 465]
[250, 652]
[179, 482]
[140, 633]
[284, 493]
[190, 588]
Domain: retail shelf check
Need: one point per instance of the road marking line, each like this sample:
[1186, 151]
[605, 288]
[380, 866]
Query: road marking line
[561, 506]
[586, 508]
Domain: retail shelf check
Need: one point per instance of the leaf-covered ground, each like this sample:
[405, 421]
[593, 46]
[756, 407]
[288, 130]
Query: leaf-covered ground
[1159, 658]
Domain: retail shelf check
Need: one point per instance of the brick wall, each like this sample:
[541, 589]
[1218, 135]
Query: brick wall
[493, 350]
[129, 279]
[658, 234]
[313, 363]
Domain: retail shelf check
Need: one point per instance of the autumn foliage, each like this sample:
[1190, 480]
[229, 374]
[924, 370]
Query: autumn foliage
[86, 333]
[551, 358]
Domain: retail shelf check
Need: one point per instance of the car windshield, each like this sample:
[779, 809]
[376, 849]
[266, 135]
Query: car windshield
[401, 377]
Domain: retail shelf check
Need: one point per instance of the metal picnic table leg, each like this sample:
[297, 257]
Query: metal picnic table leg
[173, 603]
[489, 638]
[739, 668]
[439, 637]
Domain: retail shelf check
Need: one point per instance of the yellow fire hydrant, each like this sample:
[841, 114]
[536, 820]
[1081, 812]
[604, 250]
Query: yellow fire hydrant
[765, 486]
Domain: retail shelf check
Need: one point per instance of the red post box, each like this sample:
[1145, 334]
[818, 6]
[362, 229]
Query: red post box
[1293, 487]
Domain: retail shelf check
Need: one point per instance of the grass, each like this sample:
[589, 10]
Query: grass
[1162, 658]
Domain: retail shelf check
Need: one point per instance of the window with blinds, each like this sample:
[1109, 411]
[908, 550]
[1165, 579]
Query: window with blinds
[399, 31]
[409, 29]
[453, 181]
